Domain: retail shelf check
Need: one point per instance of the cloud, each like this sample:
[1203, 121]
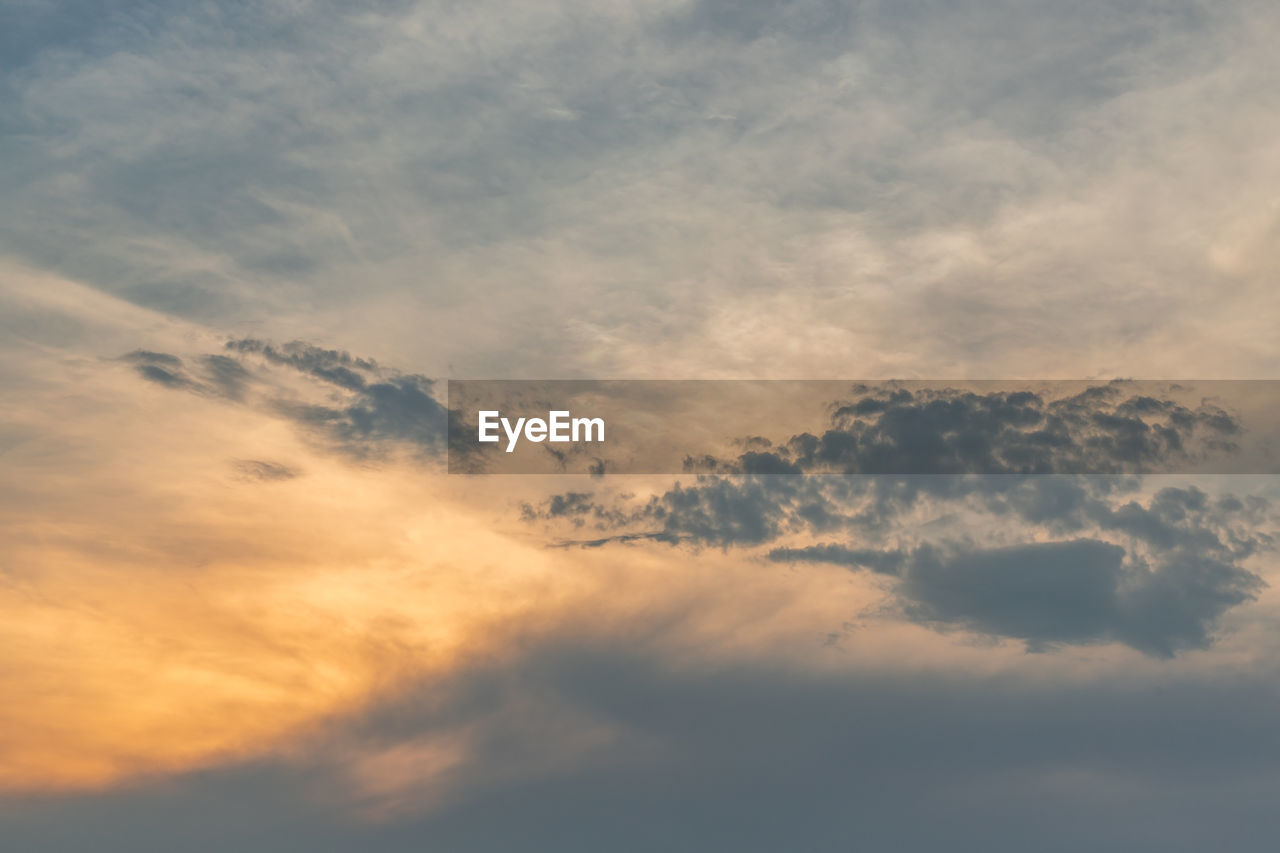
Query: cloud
[671, 189]
[1156, 576]
[994, 540]
[882, 562]
[676, 189]
[262, 471]
[214, 375]
[740, 756]
[161, 368]
[364, 407]
[1078, 591]
[333, 366]
[380, 407]
[997, 448]
[227, 375]
[1104, 429]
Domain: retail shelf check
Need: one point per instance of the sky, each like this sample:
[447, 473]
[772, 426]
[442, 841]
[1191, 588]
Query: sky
[245, 245]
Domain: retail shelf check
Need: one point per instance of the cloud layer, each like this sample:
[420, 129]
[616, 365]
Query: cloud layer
[670, 189]
[240, 608]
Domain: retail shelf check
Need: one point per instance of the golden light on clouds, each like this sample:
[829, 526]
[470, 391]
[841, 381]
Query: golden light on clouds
[192, 580]
[188, 582]
[162, 607]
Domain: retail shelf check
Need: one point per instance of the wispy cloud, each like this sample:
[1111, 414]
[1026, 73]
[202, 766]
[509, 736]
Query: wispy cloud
[577, 189]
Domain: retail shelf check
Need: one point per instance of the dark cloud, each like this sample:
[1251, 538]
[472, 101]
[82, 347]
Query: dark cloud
[334, 366]
[142, 356]
[881, 562]
[740, 757]
[263, 471]
[214, 375]
[161, 368]
[568, 505]
[380, 406]
[227, 375]
[1079, 591]
[399, 409]
[1106, 429]
[1098, 566]
[164, 376]
[366, 406]
[717, 511]
[731, 511]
